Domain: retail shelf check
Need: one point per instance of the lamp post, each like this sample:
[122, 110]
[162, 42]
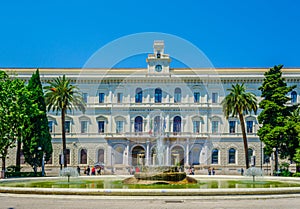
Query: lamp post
[43, 161]
[275, 150]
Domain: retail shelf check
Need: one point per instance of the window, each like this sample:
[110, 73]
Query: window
[119, 97]
[101, 126]
[119, 126]
[101, 97]
[85, 97]
[138, 124]
[250, 154]
[157, 125]
[84, 126]
[68, 126]
[138, 95]
[214, 98]
[83, 156]
[232, 127]
[215, 156]
[215, 127]
[158, 95]
[196, 126]
[68, 155]
[249, 125]
[22, 157]
[101, 156]
[50, 125]
[293, 97]
[196, 97]
[177, 124]
[177, 95]
[231, 157]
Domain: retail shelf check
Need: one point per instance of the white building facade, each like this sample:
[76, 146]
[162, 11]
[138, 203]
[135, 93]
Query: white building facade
[130, 111]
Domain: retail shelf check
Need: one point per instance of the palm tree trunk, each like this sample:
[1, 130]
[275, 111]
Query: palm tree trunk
[63, 118]
[244, 139]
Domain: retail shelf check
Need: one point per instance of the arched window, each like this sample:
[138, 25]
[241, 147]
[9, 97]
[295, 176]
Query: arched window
[177, 95]
[83, 156]
[138, 95]
[231, 155]
[157, 125]
[158, 95]
[68, 155]
[138, 124]
[294, 97]
[250, 154]
[177, 124]
[215, 156]
[100, 156]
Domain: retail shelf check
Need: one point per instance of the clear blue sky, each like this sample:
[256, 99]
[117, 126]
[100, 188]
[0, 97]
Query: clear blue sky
[232, 33]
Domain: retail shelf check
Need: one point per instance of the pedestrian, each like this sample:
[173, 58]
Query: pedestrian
[213, 171]
[93, 171]
[78, 170]
[242, 171]
[88, 170]
[209, 171]
[99, 170]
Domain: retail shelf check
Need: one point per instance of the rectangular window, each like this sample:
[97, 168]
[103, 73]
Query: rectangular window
[84, 126]
[196, 97]
[249, 127]
[214, 98]
[85, 97]
[68, 126]
[215, 127]
[100, 126]
[196, 126]
[101, 97]
[119, 126]
[119, 97]
[232, 127]
[50, 125]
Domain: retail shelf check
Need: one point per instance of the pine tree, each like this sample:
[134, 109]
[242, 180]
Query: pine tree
[275, 111]
[38, 140]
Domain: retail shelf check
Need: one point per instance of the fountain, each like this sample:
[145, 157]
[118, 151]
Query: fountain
[162, 173]
[68, 172]
[253, 172]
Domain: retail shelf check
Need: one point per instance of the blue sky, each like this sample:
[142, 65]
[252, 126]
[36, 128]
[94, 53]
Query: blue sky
[231, 33]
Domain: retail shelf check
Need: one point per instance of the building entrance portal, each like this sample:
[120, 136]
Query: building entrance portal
[138, 156]
[177, 156]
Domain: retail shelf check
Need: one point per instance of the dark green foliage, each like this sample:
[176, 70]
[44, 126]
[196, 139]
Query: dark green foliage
[14, 111]
[237, 103]
[276, 116]
[38, 132]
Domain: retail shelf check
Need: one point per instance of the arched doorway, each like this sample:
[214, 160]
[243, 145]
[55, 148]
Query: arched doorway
[177, 156]
[138, 156]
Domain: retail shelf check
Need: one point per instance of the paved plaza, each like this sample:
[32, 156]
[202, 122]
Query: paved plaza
[26, 201]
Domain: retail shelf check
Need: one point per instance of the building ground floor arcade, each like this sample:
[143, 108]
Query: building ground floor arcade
[118, 155]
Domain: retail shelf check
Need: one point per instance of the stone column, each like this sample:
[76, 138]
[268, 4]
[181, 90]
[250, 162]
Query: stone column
[187, 150]
[167, 162]
[147, 152]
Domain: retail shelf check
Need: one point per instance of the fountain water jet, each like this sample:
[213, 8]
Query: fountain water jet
[162, 173]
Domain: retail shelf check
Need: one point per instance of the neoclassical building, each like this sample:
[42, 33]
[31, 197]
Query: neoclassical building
[157, 115]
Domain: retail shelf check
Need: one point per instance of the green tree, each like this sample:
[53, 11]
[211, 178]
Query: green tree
[13, 107]
[275, 111]
[38, 139]
[237, 103]
[61, 96]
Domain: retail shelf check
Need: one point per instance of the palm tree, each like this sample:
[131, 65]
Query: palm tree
[237, 103]
[61, 96]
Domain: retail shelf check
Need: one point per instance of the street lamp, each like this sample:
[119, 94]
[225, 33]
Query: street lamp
[43, 161]
[275, 150]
